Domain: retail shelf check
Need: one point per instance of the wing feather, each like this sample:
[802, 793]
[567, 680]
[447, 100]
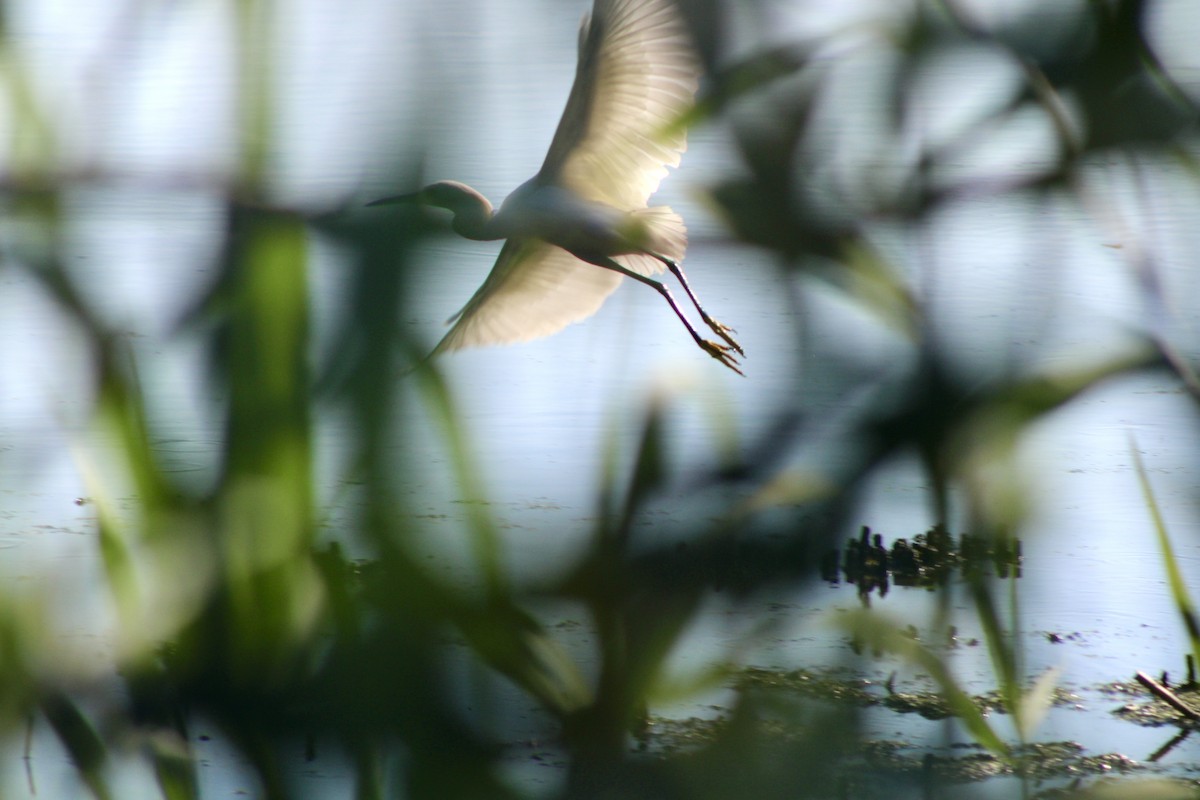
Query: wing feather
[637, 75]
[535, 289]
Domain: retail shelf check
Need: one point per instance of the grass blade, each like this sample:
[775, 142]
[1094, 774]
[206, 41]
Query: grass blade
[1179, 592]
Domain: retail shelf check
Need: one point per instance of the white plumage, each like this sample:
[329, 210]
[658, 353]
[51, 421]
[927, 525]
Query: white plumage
[586, 208]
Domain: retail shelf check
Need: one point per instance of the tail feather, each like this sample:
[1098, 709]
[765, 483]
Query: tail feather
[666, 235]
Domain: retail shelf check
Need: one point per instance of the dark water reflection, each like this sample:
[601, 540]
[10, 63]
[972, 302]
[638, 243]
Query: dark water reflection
[930, 560]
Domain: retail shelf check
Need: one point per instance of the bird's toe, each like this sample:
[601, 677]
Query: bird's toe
[725, 332]
[723, 354]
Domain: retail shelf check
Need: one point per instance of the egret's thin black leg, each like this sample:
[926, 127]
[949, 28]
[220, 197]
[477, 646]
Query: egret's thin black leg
[720, 329]
[718, 351]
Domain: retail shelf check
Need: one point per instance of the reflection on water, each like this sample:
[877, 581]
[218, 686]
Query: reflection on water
[929, 561]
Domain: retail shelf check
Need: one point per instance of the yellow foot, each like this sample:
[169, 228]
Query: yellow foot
[724, 331]
[721, 353]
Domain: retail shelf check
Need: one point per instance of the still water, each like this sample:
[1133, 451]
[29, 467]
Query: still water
[1007, 281]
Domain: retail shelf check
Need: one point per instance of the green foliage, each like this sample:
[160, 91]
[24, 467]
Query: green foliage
[239, 608]
[1179, 590]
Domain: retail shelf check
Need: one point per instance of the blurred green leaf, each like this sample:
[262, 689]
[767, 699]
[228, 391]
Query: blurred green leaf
[887, 635]
[265, 516]
[484, 536]
[1035, 703]
[1179, 591]
[81, 742]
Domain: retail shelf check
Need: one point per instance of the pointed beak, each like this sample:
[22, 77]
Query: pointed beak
[397, 199]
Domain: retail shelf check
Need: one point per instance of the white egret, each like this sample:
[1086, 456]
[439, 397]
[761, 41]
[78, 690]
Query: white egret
[636, 77]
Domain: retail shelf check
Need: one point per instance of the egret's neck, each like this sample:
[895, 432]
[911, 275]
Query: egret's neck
[474, 217]
[475, 222]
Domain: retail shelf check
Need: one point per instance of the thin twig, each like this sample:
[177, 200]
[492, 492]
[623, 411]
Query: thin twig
[1166, 695]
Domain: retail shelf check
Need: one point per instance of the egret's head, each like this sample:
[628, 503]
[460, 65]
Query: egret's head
[472, 211]
[397, 199]
[443, 194]
[447, 194]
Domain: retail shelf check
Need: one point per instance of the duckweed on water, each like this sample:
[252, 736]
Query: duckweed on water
[960, 763]
[837, 686]
[1153, 713]
[864, 767]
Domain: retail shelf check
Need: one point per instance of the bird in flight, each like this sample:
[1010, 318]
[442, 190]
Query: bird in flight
[579, 225]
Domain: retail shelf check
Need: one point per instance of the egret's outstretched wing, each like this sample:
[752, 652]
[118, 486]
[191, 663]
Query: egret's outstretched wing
[535, 289]
[637, 74]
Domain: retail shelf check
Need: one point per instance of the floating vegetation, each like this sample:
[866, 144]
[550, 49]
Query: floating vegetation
[838, 687]
[1151, 714]
[828, 685]
[871, 768]
[1155, 712]
[1041, 760]
[863, 772]
[927, 561]
[1167, 704]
